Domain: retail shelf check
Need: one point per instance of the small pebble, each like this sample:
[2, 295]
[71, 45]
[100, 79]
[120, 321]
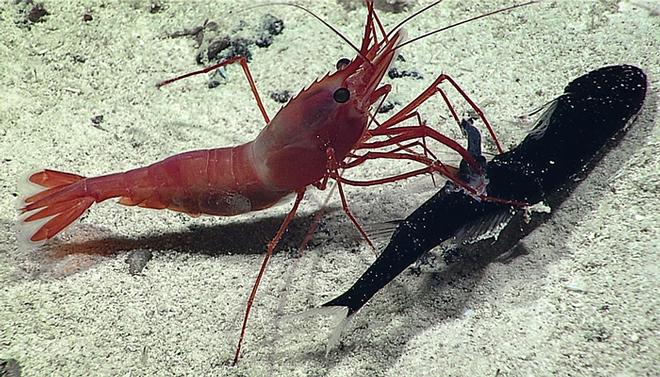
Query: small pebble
[155, 7]
[576, 286]
[97, 120]
[385, 108]
[37, 13]
[87, 16]
[137, 260]
[264, 40]
[217, 77]
[77, 58]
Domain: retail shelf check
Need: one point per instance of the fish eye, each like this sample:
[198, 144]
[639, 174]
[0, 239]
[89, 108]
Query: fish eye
[341, 95]
[342, 63]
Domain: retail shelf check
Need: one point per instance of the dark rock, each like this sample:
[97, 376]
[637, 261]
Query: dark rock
[394, 73]
[218, 46]
[281, 96]
[272, 24]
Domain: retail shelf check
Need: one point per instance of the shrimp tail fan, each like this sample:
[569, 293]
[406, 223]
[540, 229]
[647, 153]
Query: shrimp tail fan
[59, 199]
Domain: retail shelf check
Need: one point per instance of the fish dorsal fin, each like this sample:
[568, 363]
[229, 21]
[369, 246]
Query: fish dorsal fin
[543, 122]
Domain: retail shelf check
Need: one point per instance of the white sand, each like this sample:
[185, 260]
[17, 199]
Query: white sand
[582, 302]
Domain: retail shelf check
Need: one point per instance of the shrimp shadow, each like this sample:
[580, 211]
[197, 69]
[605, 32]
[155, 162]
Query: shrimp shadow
[444, 296]
[66, 256]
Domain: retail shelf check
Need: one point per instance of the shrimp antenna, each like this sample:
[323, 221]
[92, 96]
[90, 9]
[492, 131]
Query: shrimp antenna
[502, 10]
[324, 22]
[398, 26]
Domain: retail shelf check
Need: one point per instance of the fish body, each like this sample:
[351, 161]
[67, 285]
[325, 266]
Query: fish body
[565, 141]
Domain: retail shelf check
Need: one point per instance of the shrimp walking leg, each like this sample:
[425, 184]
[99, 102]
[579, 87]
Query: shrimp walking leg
[434, 88]
[333, 169]
[403, 134]
[316, 220]
[421, 130]
[452, 173]
[243, 62]
[447, 171]
[269, 252]
[408, 147]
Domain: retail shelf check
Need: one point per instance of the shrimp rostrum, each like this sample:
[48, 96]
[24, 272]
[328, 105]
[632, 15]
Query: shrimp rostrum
[313, 138]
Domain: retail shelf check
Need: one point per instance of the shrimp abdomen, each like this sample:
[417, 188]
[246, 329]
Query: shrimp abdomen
[219, 181]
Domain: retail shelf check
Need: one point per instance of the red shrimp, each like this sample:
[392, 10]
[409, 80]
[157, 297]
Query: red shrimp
[309, 141]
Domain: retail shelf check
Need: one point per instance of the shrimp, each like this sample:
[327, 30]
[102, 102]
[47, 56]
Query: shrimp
[307, 143]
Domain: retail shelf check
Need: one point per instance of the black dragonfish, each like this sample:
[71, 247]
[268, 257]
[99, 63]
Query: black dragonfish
[564, 142]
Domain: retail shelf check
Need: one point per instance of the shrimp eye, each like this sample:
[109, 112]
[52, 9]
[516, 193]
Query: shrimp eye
[343, 62]
[341, 95]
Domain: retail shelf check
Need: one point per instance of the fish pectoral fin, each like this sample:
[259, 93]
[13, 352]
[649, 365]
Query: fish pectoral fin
[488, 226]
[381, 231]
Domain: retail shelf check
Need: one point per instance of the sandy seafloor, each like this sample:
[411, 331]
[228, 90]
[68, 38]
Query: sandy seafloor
[583, 300]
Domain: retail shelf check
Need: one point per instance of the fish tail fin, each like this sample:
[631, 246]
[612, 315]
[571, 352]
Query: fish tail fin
[339, 319]
[59, 199]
